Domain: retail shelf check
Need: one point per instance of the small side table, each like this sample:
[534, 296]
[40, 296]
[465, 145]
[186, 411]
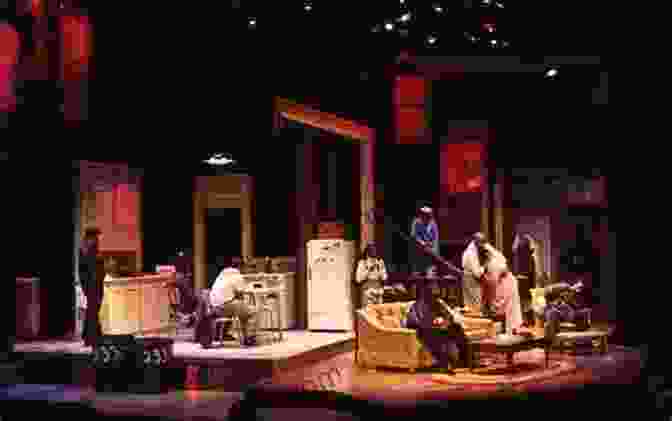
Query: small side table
[509, 345]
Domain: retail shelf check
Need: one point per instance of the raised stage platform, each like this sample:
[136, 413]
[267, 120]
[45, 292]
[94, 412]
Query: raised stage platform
[227, 366]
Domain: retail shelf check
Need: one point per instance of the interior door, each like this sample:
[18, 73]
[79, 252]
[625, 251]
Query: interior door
[223, 239]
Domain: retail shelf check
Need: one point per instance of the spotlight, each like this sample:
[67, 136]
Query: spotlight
[551, 73]
[402, 1]
[431, 40]
[389, 26]
[405, 18]
[437, 8]
[307, 7]
[252, 22]
[470, 37]
[489, 27]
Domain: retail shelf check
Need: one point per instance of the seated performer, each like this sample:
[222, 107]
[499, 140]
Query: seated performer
[430, 311]
[226, 301]
[562, 306]
[371, 273]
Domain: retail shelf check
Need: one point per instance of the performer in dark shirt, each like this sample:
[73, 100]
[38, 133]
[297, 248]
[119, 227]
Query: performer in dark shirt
[90, 284]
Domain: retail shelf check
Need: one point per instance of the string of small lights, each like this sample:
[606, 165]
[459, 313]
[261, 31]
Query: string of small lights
[407, 24]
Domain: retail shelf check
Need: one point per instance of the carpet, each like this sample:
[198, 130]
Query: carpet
[529, 366]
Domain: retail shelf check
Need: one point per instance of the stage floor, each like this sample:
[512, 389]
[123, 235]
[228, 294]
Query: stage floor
[223, 365]
[394, 389]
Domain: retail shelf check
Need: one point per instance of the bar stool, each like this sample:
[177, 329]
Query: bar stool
[272, 306]
[220, 322]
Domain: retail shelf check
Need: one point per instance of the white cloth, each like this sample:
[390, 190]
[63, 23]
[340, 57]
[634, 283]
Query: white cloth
[507, 302]
[227, 283]
[371, 269]
[507, 294]
[470, 262]
[81, 297]
[497, 263]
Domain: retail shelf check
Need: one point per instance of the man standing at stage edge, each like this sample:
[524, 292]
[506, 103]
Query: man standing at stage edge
[90, 288]
[425, 231]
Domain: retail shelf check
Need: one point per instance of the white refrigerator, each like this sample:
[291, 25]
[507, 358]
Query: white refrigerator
[329, 272]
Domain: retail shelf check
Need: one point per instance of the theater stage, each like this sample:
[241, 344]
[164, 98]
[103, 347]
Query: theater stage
[226, 365]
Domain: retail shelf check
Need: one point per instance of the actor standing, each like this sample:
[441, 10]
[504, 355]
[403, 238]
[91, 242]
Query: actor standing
[371, 273]
[501, 290]
[91, 285]
[474, 269]
[425, 231]
[226, 300]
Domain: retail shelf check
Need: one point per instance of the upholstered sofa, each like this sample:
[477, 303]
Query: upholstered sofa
[382, 342]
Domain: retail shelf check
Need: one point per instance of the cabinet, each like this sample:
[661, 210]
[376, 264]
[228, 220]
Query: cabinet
[136, 304]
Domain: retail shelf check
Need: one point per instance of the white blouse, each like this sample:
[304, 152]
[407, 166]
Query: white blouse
[371, 269]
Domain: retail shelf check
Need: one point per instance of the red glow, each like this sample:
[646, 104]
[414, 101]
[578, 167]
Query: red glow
[410, 90]
[116, 216]
[411, 124]
[409, 99]
[461, 165]
[76, 46]
[9, 51]
[36, 7]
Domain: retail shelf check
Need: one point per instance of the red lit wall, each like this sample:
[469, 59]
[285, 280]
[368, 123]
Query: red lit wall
[75, 56]
[117, 217]
[461, 167]
[410, 96]
[9, 51]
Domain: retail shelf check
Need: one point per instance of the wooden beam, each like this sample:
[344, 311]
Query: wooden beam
[325, 121]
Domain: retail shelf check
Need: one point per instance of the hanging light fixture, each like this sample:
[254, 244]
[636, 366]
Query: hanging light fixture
[219, 159]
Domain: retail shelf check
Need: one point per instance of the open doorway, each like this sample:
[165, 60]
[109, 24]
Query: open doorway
[223, 239]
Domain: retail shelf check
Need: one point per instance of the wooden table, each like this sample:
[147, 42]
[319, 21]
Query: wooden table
[505, 344]
[563, 338]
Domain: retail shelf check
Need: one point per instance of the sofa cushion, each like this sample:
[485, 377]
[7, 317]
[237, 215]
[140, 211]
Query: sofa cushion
[390, 322]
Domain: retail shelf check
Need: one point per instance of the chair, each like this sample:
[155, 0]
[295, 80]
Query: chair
[219, 322]
[268, 305]
[174, 304]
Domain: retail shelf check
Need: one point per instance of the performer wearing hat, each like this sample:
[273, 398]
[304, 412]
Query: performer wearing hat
[425, 231]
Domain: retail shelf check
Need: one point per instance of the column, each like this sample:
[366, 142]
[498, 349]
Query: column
[307, 195]
[200, 270]
[367, 189]
[332, 182]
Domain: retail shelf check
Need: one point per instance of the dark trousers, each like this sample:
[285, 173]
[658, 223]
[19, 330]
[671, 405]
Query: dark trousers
[94, 298]
[447, 347]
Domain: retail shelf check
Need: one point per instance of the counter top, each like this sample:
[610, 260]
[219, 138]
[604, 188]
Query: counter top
[137, 278]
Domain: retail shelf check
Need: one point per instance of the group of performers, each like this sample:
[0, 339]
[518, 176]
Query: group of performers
[488, 284]
[488, 287]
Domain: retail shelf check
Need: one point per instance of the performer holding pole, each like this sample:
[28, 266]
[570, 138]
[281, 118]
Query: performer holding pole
[425, 231]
